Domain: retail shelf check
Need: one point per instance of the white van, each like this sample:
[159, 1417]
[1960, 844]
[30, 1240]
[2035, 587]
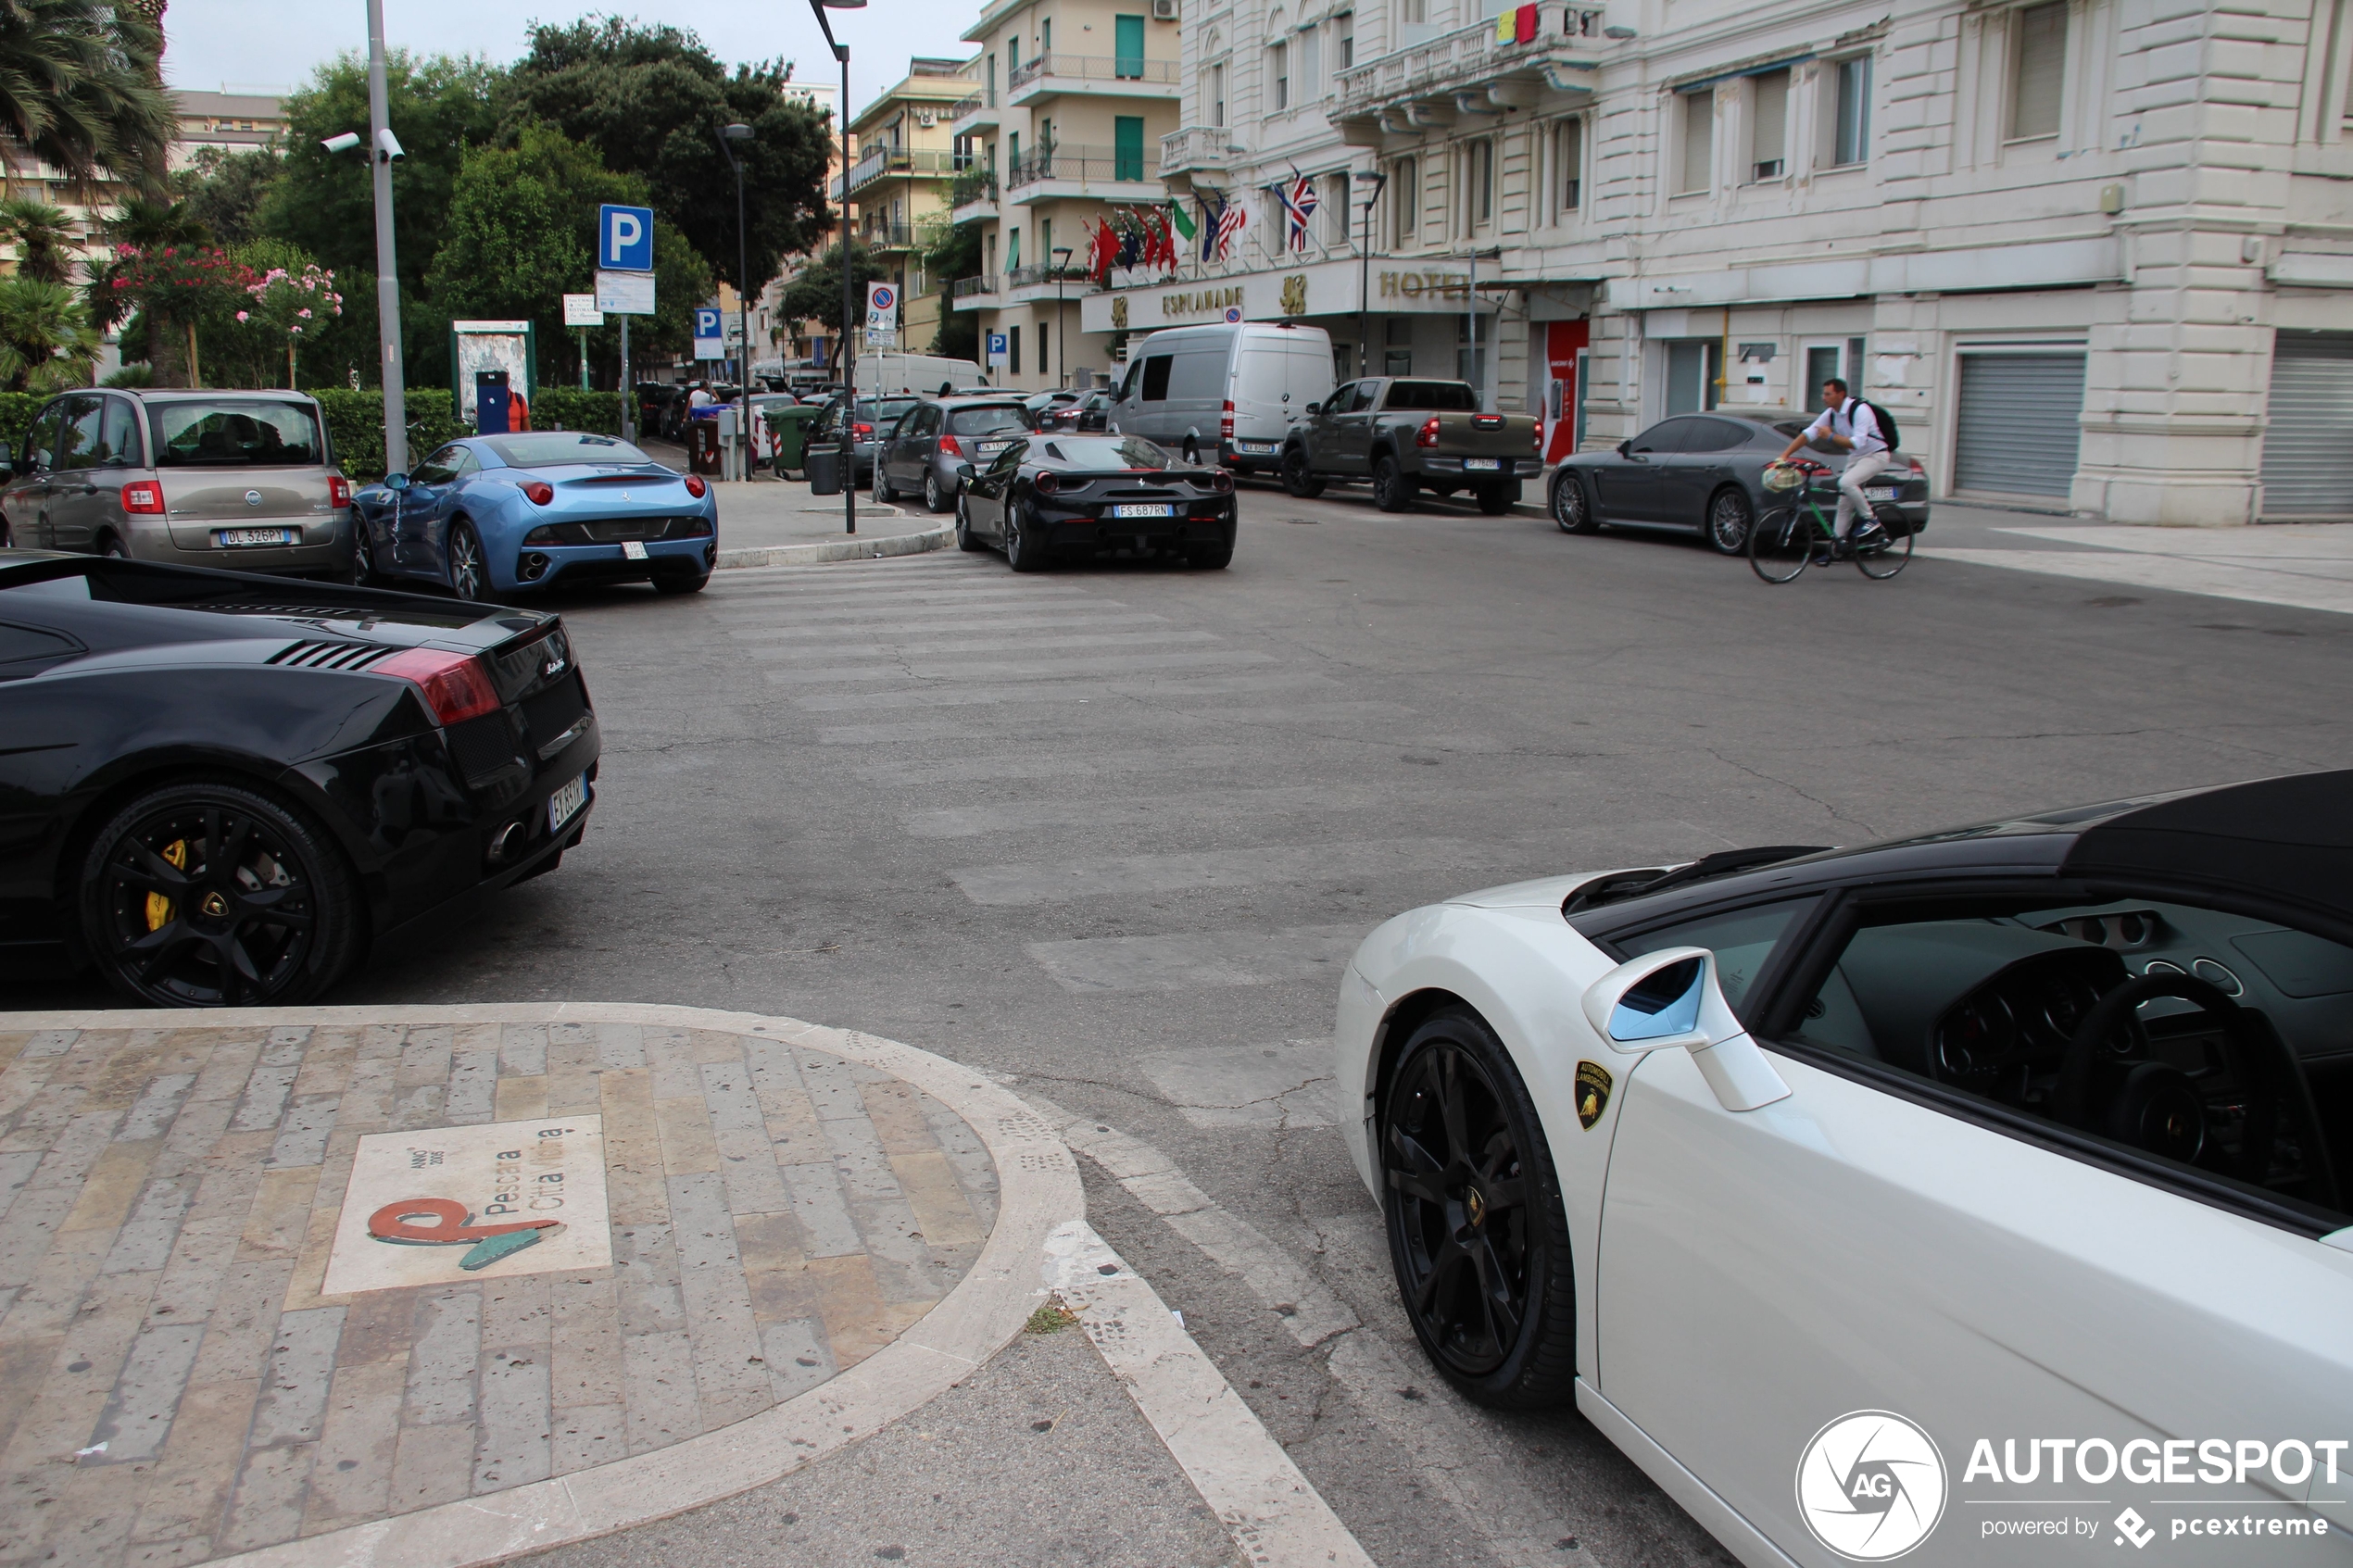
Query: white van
[1233, 390]
[881, 372]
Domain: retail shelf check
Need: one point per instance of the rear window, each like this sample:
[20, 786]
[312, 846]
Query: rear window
[244, 432]
[1106, 452]
[985, 422]
[887, 412]
[1433, 397]
[547, 449]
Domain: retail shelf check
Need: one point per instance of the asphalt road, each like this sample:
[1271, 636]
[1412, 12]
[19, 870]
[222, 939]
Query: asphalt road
[1112, 831]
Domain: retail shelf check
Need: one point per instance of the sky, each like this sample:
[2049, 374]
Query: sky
[275, 44]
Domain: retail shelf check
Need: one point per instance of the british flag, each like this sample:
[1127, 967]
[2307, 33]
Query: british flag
[1299, 206]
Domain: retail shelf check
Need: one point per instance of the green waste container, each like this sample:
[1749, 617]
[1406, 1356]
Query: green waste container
[789, 424]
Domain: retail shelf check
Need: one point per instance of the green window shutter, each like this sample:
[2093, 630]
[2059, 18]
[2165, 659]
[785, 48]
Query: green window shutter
[1128, 46]
[1128, 147]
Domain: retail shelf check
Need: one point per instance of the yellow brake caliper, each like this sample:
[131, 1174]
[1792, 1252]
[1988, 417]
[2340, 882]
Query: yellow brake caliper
[159, 907]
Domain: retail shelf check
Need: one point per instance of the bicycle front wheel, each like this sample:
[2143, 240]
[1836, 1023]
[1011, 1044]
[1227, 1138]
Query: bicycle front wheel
[1780, 544]
[1883, 556]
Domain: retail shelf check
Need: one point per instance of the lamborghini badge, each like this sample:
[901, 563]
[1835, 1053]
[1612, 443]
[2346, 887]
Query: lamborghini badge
[1592, 1092]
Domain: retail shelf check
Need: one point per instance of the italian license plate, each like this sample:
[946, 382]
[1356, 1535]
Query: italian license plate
[991, 448]
[631, 550]
[565, 803]
[237, 538]
[1144, 508]
[1880, 492]
[1485, 465]
[1253, 446]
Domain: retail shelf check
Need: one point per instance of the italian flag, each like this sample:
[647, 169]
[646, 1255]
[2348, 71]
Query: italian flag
[1184, 225]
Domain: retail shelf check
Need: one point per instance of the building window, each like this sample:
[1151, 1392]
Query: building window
[1698, 171]
[1769, 125]
[1127, 146]
[2038, 71]
[1127, 52]
[1406, 193]
[1336, 203]
[1311, 64]
[1397, 352]
[1217, 93]
[1851, 115]
[1414, 13]
[1344, 40]
[1478, 185]
[993, 81]
[1012, 350]
[1046, 36]
[1569, 166]
[1278, 73]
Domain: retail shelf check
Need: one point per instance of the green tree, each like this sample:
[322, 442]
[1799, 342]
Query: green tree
[952, 251]
[42, 235]
[224, 190]
[519, 234]
[652, 100]
[816, 294]
[324, 202]
[46, 342]
[79, 90]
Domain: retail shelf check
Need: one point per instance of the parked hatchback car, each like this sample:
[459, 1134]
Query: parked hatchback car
[936, 438]
[1704, 473]
[241, 479]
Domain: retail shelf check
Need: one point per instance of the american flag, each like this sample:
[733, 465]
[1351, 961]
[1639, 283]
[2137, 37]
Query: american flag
[1299, 206]
[1231, 219]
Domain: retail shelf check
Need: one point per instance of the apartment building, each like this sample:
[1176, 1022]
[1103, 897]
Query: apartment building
[901, 169]
[1062, 126]
[2094, 254]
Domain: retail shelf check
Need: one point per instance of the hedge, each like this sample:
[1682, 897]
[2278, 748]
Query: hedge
[595, 412]
[16, 409]
[355, 421]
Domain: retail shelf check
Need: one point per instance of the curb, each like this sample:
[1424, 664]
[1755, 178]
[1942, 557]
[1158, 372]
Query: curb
[846, 548]
[1038, 1194]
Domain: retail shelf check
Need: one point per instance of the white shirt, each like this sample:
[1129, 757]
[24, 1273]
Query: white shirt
[698, 399]
[1851, 420]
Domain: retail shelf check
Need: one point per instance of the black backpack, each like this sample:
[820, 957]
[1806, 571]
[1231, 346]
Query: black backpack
[1887, 430]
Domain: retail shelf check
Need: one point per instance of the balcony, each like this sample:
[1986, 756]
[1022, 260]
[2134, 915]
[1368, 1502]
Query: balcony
[887, 236]
[975, 113]
[1105, 173]
[1467, 76]
[974, 195]
[1197, 149]
[1117, 76]
[1028, 285]
[974, 294]
[884, 162]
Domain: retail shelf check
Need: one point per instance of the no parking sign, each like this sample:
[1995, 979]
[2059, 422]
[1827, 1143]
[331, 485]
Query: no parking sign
[882, 316]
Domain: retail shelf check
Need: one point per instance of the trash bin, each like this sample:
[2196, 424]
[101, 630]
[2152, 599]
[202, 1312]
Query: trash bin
[788, 426]
[825, 470]
[702, 445]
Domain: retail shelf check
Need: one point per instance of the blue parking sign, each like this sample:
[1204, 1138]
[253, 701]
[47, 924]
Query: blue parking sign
[996, 347]
[707, 321]
[625, 238]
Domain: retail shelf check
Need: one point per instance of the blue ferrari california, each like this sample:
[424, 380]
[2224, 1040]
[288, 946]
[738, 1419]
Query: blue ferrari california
[497, 514]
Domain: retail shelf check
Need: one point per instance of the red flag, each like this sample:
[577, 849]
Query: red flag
[1524, 25]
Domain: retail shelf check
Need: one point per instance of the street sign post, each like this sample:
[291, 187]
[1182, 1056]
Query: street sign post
[580, 313]
[710, 344]
[625, 284]
[997, 352]
[882, 316]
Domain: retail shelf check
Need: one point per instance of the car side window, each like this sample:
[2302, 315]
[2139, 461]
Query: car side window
[1740, 939]
[1714, 435]
[1341, 396]
[1367, 394]
[1010, 459]
[1667, 435]
[120, 434]
[78, 443]
[1156, 377]
[41, 441]
[439, 469]
[2208, 1042]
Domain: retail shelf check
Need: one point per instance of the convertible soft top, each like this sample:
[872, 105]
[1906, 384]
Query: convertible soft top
[2290, 837]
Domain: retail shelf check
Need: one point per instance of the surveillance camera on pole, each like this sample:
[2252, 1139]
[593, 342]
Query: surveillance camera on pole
[341, 144]
[388, 145]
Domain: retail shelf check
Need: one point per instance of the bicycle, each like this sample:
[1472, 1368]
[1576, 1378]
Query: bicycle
[1788, 539]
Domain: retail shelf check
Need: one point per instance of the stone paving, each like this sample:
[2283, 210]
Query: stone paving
[175, 1388]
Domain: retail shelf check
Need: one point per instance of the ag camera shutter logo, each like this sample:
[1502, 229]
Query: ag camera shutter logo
[1871, 1485]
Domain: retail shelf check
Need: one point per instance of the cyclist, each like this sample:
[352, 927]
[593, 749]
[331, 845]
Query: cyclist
[1847, 424]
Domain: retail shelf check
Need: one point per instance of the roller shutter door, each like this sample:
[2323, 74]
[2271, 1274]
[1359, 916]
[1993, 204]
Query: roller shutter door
[2019, 423]
[2308, 444]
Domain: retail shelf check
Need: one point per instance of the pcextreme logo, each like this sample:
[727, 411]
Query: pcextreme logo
[1871, 1485]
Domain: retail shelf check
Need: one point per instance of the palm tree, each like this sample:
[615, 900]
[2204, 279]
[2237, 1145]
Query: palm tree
[44, 342]
[42, 235]
[80, 89]
[145, 225]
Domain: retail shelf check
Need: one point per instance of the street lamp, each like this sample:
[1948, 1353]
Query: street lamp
[728, 135]
[1060, 267]
[848, 288]
[1379, 183]
[386, 148]
[1470, 316]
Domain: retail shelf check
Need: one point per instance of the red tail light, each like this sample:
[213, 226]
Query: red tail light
[1222, 481]
[1047, 483]
[145, 496]
[861, 431]
[694, 486]
[1428, 434]
[338, 491]
[1536, 439]
[951, 448]
[1226, 422]
[1917, 469]
[540, 492]
[454, 686]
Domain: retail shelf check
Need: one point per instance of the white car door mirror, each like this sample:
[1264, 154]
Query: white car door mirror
[1669, 1000]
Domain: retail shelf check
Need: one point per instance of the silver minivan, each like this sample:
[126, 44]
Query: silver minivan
[1227, 394]
[241, 479]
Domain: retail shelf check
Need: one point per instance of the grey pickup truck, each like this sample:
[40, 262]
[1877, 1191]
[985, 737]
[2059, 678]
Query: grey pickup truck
[1406, 436]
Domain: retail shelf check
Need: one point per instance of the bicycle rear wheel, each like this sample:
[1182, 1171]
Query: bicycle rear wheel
[1883, 555]
[1780, 544]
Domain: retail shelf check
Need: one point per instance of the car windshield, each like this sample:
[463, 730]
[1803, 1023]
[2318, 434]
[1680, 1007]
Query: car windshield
[243, 432]
[1433, 396]
[1104, 452]
[553, 449]
[885, 412]
[985, 422]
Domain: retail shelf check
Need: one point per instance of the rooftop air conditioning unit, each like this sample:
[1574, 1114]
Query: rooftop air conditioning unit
[1163, 10]
[927, 118]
